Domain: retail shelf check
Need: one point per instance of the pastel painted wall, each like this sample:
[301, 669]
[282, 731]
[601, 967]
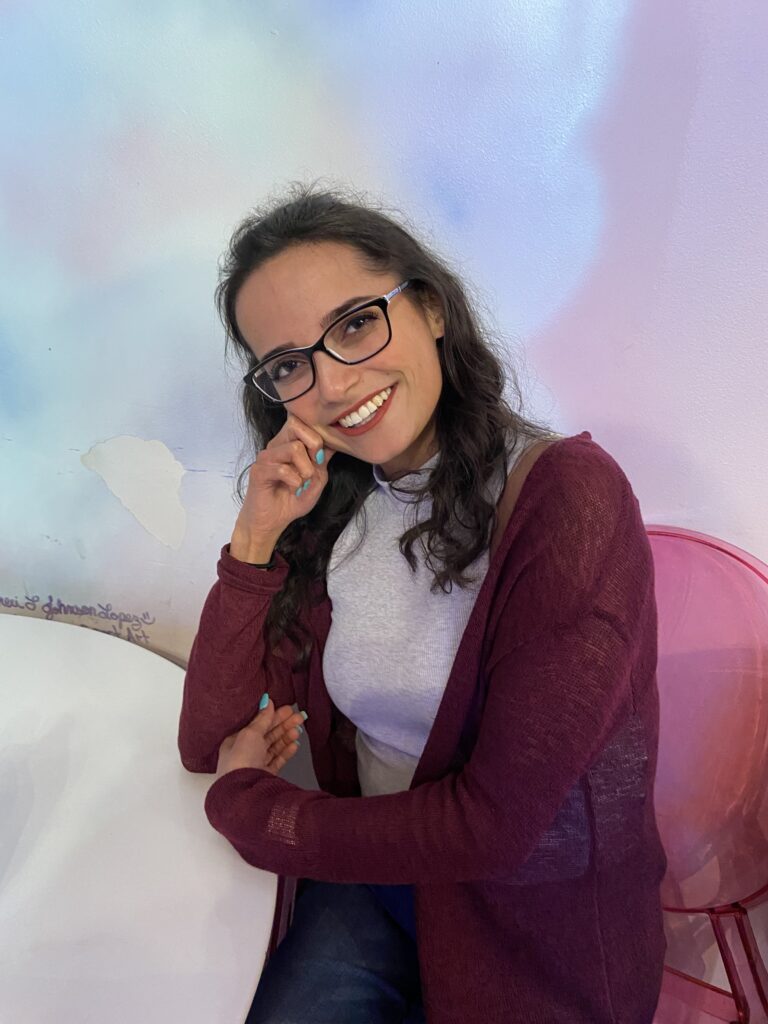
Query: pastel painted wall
[595, 170]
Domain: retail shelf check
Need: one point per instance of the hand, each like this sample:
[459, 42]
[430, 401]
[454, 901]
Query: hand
[269, 741]
[286, 464]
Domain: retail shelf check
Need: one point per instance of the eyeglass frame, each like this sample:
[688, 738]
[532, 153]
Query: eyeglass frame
[319, 346]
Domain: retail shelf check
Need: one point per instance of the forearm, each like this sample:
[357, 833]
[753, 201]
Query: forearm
[431, 834]
[229, 665]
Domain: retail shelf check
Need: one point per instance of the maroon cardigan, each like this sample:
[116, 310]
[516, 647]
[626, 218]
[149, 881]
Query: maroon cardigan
[528, 830]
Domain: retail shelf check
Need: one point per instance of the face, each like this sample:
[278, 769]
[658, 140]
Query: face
[283, 303]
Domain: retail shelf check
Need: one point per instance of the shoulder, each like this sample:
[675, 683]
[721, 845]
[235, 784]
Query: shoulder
[575, 473]
[576, 532]
[571, 490]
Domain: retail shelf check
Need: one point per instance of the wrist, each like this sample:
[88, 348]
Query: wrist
[249, 548]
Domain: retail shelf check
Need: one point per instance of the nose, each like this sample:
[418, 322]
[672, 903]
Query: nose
[334, 380]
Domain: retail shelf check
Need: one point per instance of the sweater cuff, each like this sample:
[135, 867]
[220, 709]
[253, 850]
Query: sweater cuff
[243, 576]
[218, 799]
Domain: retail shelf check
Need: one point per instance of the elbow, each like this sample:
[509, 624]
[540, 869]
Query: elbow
[200, 764]
[194, 762]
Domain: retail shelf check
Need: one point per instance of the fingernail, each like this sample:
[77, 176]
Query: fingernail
[304, 715]
[300, 730]
[306, 484]
[320, 457]
[263, 702]
[299, 490]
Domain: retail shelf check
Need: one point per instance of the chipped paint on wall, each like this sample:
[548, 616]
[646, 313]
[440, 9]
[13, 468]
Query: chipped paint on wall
[145, 477]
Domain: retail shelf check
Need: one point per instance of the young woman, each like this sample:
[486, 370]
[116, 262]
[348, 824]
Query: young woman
[462, 604]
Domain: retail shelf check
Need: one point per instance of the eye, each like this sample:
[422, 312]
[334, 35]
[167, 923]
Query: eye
[282, 369]
[359, 321]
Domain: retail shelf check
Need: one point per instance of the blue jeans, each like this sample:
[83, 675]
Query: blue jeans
[348, 957]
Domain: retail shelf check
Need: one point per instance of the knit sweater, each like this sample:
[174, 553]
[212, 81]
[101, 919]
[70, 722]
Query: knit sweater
[528, 830]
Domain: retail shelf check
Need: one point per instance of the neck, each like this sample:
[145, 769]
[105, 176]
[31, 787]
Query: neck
[414, 456]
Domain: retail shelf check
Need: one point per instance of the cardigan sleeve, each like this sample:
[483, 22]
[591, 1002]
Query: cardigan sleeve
[579, 578]
[230, 666]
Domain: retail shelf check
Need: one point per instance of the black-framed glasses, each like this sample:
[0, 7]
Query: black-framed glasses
[355, 336]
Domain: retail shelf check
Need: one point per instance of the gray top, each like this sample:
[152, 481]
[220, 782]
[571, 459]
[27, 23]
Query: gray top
[392, 642]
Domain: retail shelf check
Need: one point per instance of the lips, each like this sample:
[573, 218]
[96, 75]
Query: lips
[368, 424]
[356, 406]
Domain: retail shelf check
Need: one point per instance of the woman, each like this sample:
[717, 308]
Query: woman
[462, 603]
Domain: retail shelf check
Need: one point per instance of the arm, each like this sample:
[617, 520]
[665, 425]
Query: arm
[559, 680]
[230, 666]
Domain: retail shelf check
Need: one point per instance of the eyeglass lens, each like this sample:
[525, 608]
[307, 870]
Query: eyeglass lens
[356, 337]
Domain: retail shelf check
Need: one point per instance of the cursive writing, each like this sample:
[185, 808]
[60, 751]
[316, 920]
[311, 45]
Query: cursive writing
[128, 625]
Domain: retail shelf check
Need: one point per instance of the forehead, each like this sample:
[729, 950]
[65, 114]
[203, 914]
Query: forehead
[284, 300]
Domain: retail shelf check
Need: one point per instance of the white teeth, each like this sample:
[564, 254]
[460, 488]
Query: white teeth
[366, 411]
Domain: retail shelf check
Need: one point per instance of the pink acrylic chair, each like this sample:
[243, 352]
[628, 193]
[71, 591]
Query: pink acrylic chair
[712, 780]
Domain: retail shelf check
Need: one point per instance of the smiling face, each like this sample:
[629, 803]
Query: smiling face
[283, 303]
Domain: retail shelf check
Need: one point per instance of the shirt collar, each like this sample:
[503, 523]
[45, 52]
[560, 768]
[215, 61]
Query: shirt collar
[410, 480]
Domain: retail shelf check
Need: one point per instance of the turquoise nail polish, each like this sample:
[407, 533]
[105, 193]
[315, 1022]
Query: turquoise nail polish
[298, 491]
[306, 484]
[300, 730]
[320, 457]
[304, 715]
[263, 702]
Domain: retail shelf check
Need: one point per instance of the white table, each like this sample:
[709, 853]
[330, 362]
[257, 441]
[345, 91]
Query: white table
[118, 902]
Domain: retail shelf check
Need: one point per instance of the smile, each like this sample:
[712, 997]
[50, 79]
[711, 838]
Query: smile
[367, 415]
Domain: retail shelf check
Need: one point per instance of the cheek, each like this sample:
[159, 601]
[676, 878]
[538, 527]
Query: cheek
[306, 409]
[430, 370]
[416, 355]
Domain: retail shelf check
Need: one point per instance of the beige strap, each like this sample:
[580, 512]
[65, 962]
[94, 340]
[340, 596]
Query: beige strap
[514, 485]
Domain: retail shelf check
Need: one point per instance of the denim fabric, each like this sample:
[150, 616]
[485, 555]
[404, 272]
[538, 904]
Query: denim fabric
[398, 900]
[344, 960]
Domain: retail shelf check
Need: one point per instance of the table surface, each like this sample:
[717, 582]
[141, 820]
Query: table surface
[118, 901]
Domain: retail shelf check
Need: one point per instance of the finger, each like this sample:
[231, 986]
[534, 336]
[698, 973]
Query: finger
[262, 722]
[286, 473]
[296, 454]
[313, 440]
[296, 429]
[291, 729]
[285, 718]
[283, 742]
[281, 760]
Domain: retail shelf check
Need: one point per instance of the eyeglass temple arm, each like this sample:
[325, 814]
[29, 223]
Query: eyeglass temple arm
[395, 291]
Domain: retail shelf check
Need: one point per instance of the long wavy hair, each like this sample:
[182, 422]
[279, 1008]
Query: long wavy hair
[475, 424]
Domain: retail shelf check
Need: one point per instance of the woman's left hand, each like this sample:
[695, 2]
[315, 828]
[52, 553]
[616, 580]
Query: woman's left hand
[267, 742]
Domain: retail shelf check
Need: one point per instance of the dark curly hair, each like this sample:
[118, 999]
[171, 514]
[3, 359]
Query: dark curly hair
[475, 425]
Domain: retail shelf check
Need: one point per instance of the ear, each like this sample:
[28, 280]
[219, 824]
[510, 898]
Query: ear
[433, 310]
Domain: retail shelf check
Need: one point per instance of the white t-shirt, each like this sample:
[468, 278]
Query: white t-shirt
[392, 642]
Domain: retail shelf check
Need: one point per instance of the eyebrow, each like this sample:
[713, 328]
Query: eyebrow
[326, 321]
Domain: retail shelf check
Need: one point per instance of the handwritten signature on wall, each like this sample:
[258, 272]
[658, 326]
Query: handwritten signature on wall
[128, 625]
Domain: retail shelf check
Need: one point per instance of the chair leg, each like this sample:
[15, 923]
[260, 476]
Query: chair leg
[284, 904]
[743, 964]
[755, 961]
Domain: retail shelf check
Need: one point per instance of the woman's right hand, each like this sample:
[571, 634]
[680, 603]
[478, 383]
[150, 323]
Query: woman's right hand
[271, 503]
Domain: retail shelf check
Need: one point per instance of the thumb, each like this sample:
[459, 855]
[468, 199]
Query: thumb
[266, 713]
